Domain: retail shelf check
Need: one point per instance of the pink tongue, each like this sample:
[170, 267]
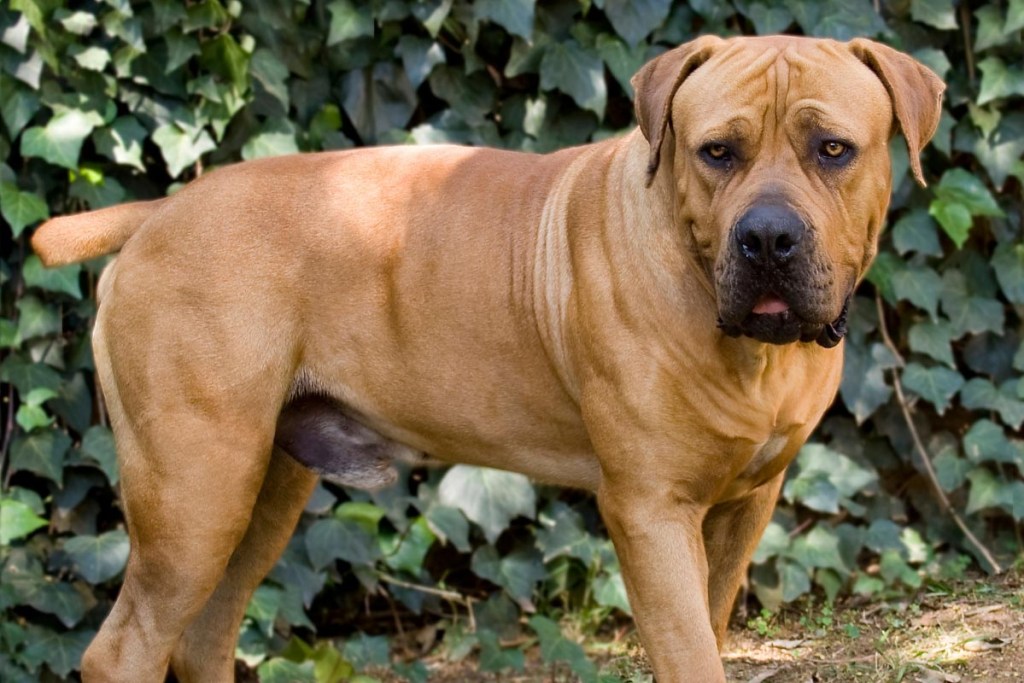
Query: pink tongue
[769, 305]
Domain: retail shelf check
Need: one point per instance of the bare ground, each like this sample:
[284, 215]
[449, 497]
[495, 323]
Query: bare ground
[971, 631]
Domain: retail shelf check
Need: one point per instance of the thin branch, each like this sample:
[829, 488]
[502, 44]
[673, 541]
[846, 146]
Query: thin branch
[451, 596]
[922, 452]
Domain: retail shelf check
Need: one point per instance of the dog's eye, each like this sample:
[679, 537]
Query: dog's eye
[716, 153]
[833, 149]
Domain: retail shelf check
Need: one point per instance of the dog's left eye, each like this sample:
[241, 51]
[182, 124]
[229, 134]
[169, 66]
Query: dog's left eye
[833, 149]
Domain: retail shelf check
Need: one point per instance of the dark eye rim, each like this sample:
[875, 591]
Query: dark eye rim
[847, 155]
[725, 159]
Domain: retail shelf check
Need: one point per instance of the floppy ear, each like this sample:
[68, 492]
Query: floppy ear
[915, 91]
[655, 85]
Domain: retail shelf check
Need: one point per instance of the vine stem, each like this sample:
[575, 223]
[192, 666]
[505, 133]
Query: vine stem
[922, 452]
[451, 596]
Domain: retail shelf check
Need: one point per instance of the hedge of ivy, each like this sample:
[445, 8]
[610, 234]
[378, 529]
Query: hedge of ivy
[916, 472]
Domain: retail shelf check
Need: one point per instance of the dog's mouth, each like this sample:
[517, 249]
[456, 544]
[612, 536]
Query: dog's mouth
[773, 321]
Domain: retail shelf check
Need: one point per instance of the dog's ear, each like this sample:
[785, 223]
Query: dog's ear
[915, 91]
[655, 85]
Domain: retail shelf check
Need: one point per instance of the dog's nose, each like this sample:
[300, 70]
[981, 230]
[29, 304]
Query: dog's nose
[769, 234]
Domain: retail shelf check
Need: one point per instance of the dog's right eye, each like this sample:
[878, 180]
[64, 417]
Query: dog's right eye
[716, 154]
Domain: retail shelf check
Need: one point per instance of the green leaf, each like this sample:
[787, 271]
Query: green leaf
[471, 96]
[122, 142]
[980, 393]
[561, 533]
[819, 548]
[26, 375]
[555, 647]
[576, 71]
[21, 209]
[225, 57]
[999, 81]
[767, 17]
[181, 149]
[990, 28]
[634, 20]
[933, 338]
[274, 138]
[17, 520]
[332, 539]
[518, 572]
[80, 23]
[936, 385]
[208, 14]
[91, 58]
[377, 100]
[98, 558]
[989, 491]
[610, 591]
[515, 15]
[17, 106]
[490, 498]
[450, 525]
[940, 14]
[864, 389]
[432, 14]
[98, 446]
[494, 657]
[280, 670]
[407, 551]
[419, 57]
[349, 20]
[920, 286]
[59, 142]
[822, 478]
[915, 232]
[41, 452]
[795, 580]
[363, 651]
[63, 279]
[63, 601]
[959, 196]
[62, 652]
[966, 313]
[986, 441]
[1008, 263]
[36, 318]
[1014, 16]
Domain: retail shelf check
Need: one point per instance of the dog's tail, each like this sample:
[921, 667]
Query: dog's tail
[69, 239]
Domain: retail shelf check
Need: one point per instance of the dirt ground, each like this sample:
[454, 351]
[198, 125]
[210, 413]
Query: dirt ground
[970, 631]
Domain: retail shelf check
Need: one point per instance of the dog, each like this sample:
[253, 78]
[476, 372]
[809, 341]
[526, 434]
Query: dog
[657, 318]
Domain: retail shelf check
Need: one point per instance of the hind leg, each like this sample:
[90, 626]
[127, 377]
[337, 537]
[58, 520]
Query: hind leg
[206, 651]
[186, 515]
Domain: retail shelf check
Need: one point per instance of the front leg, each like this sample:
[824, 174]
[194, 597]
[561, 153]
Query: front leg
[732, 531]
[660, 545]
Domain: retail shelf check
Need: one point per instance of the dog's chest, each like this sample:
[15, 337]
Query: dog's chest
[765, 461]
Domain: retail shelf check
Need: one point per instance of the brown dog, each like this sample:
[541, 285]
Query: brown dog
[648, 317]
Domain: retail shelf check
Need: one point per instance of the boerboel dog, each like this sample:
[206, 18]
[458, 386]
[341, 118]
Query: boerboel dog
[656, 318]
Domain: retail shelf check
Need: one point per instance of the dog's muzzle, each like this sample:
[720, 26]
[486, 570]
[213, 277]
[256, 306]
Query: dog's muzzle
[826, 336]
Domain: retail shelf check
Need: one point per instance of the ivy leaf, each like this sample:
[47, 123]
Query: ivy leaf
[1008, 263]
[180, 148]
[555, 647]
[41, 452]
[281, 670]
[515, 15]
[63, 601]
[999, 81]
[986, 441]
[26, 375]
[406, 552]
[450, 525]
[933, 338]
[349, 21]
[936, 385]
[331, 539]
[610, 591]
[61, 652]
[490, 498]
[17, 106]
[59, 142]
[98, 446]
[576, 71]
[363, 650]
[36, 318]
[959, 196]
[561, 533]
[937, 13]
[20, 209]
[518, 572]
[621, 61]
[999, 150]
[766, 17]
[122, 142]
[989, 491]
[63, 279]
[819, 548]
[990, 28]
[98, 558]
[863, 388]
[494, 657]
[634, 20]
[377, 100]
[419, 57]
[915, 232]
[274, 138]
[968, 313]
[794, 579]
[980, 393]
[920, 285]
[17, 520]
[1014, 16]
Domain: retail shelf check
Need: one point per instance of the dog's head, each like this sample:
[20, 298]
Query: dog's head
[778, 150]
